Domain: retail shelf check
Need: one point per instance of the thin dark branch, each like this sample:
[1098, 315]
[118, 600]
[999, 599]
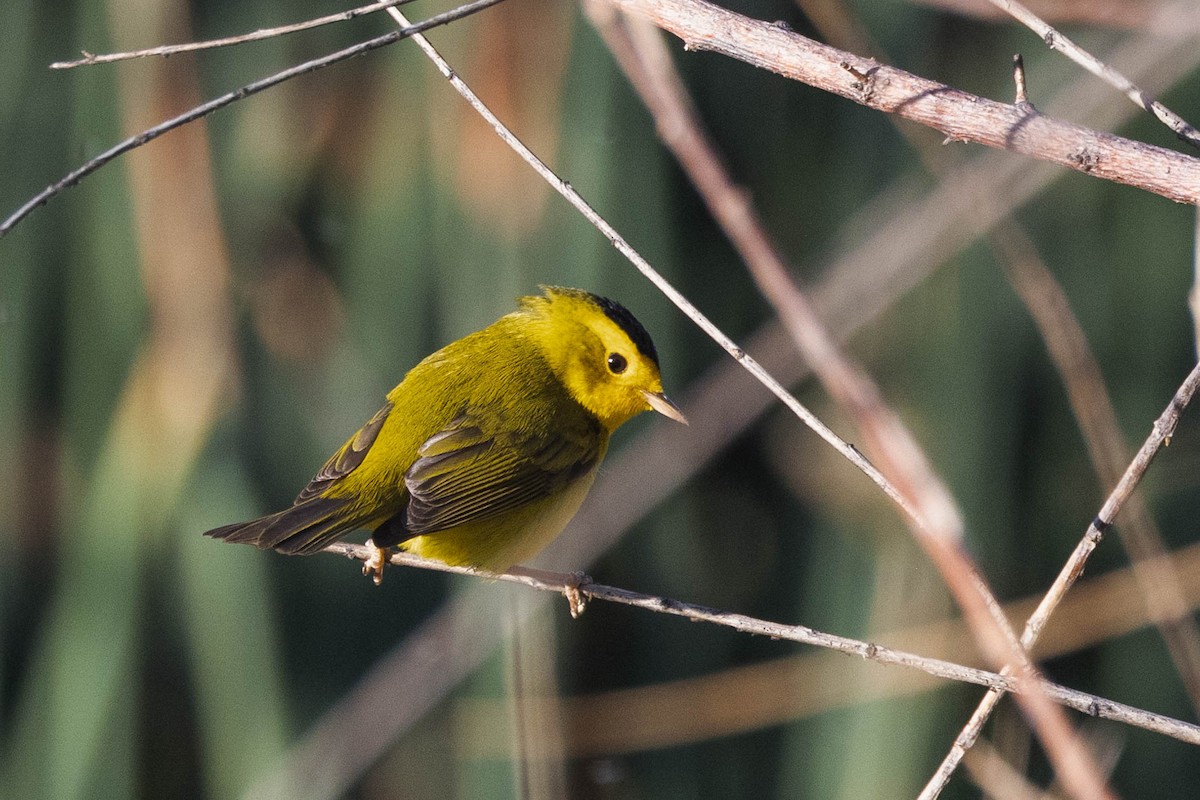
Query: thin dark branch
[227, 41]
[220, 102]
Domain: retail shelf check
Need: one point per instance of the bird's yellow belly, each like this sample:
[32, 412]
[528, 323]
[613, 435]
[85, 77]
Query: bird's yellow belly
[499, 542]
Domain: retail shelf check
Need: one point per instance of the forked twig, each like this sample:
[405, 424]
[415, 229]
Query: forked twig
[1057, 41]
[1160, 434]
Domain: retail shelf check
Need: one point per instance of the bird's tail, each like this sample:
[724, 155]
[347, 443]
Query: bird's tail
[303, 529]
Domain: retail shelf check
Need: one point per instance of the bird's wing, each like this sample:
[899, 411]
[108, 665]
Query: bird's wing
[462, 474]
[347, 458]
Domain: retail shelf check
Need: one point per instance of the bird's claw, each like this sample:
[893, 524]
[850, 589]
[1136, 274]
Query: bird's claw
[373, 566]
[576, 598]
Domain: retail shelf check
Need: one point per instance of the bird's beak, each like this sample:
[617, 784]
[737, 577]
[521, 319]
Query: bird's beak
[663, 405]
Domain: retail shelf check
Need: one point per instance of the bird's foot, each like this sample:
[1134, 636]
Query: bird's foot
[571, 585]
[373, 566]
[577, 600]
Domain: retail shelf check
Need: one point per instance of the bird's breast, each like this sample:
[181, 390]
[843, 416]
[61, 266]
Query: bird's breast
[513, 537]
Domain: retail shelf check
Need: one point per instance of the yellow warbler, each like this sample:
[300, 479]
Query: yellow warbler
[487, 448]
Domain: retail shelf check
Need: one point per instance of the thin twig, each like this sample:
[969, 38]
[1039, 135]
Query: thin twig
[959, 115]
[1083, 702]
[1160, 435]
[1057, 41]
[204, 110]
[1020, 98]
[1107, 13]
[643, 56]
[210, 44]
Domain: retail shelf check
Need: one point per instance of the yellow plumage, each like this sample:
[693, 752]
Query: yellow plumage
[487, 448]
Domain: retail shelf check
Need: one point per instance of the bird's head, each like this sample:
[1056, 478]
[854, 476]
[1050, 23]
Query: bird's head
[601, 353]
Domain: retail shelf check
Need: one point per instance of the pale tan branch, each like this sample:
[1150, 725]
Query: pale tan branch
[959, 115]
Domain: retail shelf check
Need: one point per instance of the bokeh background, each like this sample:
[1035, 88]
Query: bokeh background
[187, 335]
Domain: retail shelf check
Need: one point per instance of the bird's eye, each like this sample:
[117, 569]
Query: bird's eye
[617, 363]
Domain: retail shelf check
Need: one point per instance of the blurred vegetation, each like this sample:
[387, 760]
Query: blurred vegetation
[186, 336]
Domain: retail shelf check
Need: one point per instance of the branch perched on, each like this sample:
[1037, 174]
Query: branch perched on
[566, 585]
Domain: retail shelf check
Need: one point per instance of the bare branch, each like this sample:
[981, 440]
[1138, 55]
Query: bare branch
[1057, 41]
[204, 110]
[957, 114]
[1083, 702]
[1160, 434]
[263, 33]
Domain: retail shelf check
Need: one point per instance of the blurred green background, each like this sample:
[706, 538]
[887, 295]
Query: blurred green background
[189, 333]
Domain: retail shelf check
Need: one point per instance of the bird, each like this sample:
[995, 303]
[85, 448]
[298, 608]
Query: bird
[487, 448]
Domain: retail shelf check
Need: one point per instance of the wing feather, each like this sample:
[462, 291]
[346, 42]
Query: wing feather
[345, 460]
[462, 474]
[301, 529]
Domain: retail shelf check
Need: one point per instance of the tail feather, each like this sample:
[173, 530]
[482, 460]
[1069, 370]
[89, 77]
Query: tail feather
[303, 529]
